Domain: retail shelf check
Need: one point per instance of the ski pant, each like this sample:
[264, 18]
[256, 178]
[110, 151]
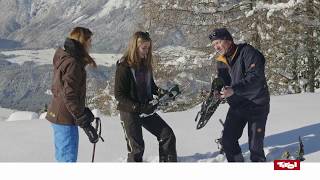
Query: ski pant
[132, 125]
[66, 142]
[256, 117]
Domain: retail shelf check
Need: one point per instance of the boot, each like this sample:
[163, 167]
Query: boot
[238, 158]
[168, 158]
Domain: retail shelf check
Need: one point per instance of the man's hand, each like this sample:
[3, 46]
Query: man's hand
[226, 92]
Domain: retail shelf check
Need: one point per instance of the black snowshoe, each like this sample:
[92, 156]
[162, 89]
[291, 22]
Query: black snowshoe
[164, 98]
[210, 105]
[168, 95]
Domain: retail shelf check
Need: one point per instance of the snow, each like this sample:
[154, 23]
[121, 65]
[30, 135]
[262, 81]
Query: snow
[278, 6]
[176, 62]
[45, 56]
[250, 13]
[78, 19]
[42, 116]
[106, 59]
[113, 4]
[37, 56]
[109, 6]
[23, 115]
[5, 113]
[281, 29]
[273, 7]
[73, 10]
[96, 112]
[181, 56]
[179, 50]
[291, 116]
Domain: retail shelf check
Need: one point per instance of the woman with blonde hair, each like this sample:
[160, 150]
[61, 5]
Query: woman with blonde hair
[134, 89]
[67, 108]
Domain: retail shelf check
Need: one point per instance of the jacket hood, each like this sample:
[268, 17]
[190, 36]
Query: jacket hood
[74, 48]
[59, 56]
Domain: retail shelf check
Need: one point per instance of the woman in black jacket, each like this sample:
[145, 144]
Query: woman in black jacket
[134, 89]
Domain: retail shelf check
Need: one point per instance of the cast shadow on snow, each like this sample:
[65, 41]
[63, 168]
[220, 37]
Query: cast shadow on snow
[275, 145]
[207, 157]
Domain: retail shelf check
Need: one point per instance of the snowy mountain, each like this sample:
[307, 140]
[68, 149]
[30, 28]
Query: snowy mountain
[19, 139]
[274, 27]
[42, 23]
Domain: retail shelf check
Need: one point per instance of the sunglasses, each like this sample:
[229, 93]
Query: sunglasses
[212, 35]
[144, 35]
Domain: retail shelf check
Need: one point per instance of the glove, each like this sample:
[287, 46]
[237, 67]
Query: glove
[91, 133]
[147, 108]
[217, 84]
[85, 119]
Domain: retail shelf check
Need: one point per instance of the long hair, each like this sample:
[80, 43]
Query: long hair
[132, 56]
[83, 35]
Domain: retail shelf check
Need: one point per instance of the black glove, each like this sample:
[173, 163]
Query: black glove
[147, 108]
[217, 84]
[91, 133]
[85, 119]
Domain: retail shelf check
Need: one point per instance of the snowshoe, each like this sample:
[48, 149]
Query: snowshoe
[164, 98]
[210, 105]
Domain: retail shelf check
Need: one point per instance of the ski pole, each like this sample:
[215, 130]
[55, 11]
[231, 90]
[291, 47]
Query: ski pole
[98, 129]
[93, 152]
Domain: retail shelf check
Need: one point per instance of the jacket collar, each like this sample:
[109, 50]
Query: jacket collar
[74, 48]
[224, 59]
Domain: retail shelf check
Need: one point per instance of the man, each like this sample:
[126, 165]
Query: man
[241, 67]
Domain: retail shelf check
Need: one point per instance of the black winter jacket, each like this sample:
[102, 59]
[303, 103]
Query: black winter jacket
[125, 89]
[245, 74]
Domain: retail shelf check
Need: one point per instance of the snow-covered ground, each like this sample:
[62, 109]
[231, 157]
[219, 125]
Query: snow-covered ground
[291, 116]
[27, 137]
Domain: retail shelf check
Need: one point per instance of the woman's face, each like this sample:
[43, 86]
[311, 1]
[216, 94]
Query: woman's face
[88, 44]
[143, 49]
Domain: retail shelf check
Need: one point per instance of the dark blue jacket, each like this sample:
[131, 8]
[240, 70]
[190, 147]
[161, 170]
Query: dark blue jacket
[244, 72]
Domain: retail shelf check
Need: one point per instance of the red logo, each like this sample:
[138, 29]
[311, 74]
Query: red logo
[286, 164]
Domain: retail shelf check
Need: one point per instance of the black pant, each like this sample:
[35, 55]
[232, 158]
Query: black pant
[256, 117]
[132, 123]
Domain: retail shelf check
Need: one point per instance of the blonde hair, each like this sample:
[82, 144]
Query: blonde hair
[132, 56]
[83, 35]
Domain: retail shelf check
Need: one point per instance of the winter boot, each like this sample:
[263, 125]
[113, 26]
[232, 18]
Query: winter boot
[168, 158]
[238, 158]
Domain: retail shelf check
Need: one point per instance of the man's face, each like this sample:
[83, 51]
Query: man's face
[221, 46]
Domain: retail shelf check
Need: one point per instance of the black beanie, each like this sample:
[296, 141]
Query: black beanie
[220, 34]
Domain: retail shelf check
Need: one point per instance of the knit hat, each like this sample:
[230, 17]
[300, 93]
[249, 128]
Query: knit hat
[220, 34]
